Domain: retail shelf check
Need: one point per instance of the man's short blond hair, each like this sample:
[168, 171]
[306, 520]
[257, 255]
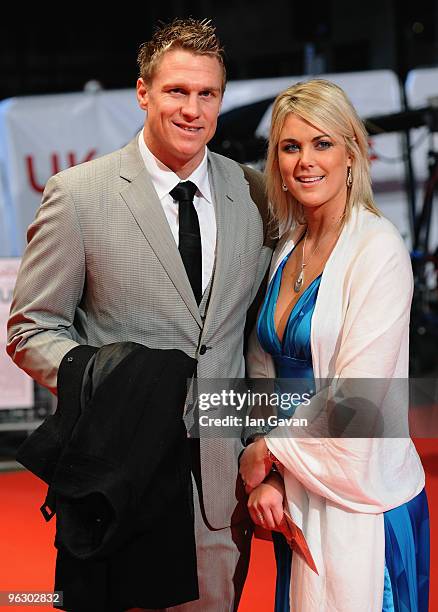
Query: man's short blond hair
[196, 36]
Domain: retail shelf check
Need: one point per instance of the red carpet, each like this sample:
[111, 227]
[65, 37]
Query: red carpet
[27, 554]
[258, 593]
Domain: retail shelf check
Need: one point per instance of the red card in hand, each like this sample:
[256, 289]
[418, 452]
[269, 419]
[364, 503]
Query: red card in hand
[296, 540]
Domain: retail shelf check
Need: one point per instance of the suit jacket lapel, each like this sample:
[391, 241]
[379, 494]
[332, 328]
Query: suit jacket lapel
[226, 192]
[142, 200]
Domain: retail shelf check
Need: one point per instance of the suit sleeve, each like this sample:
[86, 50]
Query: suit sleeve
[49, 288]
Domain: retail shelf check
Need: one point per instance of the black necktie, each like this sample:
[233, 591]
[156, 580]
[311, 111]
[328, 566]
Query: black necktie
[189, 235]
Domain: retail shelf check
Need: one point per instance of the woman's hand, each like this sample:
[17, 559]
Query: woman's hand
[254, 464]
[265, 503]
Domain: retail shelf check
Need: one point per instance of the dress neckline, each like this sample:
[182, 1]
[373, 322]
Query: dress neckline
[294, 307]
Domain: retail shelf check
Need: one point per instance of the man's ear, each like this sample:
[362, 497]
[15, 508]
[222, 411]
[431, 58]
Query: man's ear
[142, 94]
[220, 105]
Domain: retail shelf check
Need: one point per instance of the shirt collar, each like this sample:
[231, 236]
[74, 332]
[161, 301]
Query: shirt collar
[164, 179]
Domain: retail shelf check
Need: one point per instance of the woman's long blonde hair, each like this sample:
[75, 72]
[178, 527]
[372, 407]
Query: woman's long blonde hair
[326, 106]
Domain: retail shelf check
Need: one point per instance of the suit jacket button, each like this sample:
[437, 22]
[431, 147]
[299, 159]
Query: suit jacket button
[203, 350]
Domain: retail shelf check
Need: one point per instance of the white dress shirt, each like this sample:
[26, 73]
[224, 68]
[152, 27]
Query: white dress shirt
[164, 180]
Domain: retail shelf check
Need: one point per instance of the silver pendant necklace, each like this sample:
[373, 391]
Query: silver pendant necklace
[300, 278]
[298, 284]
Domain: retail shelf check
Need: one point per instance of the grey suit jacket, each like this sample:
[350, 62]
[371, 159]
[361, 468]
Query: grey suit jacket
[102, 266]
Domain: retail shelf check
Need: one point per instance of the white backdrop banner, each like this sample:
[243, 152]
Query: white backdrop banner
[41, 135]
[16, 387]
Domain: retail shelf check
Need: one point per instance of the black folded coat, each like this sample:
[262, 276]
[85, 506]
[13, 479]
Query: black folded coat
[116, 457]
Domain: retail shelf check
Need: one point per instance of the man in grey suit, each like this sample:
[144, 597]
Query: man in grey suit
[102, 265]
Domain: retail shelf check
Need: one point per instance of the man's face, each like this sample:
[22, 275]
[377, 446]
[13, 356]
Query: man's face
[182, 103]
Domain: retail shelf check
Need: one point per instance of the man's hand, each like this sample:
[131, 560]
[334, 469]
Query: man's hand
[265, 503]
[254, 464]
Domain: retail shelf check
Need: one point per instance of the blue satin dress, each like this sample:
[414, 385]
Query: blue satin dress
[406, 579]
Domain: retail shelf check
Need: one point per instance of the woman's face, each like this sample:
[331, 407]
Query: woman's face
[313, 164]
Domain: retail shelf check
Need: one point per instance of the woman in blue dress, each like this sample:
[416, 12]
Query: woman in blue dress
[336, 312]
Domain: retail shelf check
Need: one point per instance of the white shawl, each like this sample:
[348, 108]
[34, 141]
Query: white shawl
[337, 489]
